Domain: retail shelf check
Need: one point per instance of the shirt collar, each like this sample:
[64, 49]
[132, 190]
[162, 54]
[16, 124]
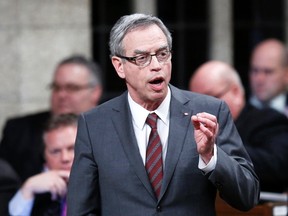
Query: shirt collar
[139, 114]
[278, 102]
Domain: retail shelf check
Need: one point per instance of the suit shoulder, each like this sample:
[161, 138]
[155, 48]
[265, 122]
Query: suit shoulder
[196, 98]
[34, 119]
[266, 115]
[106, 107]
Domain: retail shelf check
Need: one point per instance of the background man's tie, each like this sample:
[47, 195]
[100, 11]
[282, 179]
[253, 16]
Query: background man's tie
[64, 207]
[154, 163]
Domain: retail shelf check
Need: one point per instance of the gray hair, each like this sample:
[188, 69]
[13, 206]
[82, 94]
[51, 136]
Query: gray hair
[129, 23]
[93, 68]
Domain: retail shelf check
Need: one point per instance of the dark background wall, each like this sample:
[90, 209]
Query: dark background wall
[253, 21]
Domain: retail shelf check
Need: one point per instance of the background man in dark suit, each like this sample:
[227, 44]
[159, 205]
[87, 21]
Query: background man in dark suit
[269, 75]
[44, 193]
[76, 87]
[196, 148]
[264, 132]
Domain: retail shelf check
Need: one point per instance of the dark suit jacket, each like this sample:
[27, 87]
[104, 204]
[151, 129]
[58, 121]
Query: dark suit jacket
[108, 176]
[44, 206]
[9, 183]
[265, 135]
[22, 144]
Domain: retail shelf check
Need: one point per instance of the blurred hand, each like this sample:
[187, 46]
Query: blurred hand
[205, 132]
[54, 181]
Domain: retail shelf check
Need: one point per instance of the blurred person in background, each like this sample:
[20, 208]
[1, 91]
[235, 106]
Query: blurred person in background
[269, 76]
[76, 87]
[45, 193]
[264, 131]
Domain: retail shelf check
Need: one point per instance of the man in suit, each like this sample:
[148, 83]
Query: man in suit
[76, 87]
[196, 148]
[264, 132]
[44, 193]
[269, 76]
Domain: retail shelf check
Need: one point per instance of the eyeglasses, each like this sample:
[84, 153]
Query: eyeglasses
[69, 88]
[144, 60]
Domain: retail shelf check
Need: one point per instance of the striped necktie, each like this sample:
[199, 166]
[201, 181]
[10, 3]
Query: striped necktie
[154, 163]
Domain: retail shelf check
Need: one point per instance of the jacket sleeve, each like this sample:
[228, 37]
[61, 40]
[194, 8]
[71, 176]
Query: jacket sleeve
[234, 174]
[83, 201]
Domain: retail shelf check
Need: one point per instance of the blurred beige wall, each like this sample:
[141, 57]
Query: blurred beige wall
[34, 36]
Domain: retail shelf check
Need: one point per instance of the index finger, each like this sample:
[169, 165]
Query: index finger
[207, 115]
[63, 174]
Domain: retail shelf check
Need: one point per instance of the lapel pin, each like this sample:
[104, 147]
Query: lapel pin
[186, 114]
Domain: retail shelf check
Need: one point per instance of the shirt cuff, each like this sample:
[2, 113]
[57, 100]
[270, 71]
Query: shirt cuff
[206, 168]
[18, 205]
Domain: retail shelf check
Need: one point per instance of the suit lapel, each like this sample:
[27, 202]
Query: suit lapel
[180, 118]
[128, 140]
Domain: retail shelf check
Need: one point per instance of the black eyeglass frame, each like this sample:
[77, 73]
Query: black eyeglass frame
[133, 59]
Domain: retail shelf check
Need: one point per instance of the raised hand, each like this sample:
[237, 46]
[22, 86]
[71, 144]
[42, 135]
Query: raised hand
[54, 182]
[205, 132]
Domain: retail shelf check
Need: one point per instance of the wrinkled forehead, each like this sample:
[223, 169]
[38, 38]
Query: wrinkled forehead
[150, 38]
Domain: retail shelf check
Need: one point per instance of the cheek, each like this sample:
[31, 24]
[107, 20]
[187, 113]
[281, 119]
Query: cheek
[52, 163]
[135, 79]
[71, 155]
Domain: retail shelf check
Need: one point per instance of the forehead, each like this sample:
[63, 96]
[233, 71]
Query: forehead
[60, 137]
[71, 73]
[145, 38]
[267, 55]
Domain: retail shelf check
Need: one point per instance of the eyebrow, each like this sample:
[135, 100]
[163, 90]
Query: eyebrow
[137, 51]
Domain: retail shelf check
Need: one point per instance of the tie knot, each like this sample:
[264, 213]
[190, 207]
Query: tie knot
[152, 120]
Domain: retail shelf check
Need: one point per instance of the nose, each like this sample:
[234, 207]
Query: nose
[260, 76]
[66, 156]
[154, 61]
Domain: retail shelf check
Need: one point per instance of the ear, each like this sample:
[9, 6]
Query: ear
[118, 65]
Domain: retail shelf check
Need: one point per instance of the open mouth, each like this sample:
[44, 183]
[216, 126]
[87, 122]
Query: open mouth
[156, 81]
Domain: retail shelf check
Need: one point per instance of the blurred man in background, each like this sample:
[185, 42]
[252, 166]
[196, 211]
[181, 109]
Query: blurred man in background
[264, 131]
[76, 88]
[269, 76]
[44, 193]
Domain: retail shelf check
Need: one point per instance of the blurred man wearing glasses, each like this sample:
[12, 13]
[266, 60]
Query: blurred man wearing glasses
[269, 76]
[76, 88]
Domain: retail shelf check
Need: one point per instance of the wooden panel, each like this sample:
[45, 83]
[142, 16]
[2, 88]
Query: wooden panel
[223, 209]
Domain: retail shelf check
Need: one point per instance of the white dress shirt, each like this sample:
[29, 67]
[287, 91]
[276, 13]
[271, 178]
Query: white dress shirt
[18, 205]
[142, 130]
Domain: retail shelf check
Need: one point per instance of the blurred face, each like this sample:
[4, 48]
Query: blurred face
[72, 91]
[268, 76]
[147, 85]
[59, 148]
[207, 82]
